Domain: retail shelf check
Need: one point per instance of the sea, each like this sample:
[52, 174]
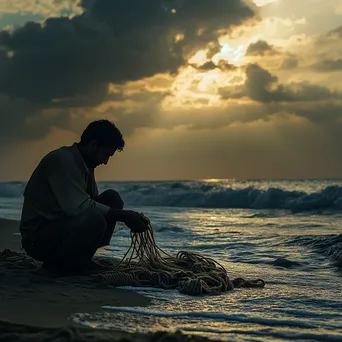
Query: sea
[287, 232]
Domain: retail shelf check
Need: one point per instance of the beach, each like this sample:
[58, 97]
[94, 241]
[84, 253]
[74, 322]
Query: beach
[285, 232]
[219, 122]
[29, 297]
[36, 306]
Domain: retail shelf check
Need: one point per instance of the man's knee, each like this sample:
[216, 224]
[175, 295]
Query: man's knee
[93, 225]
[111, 198]
[59, 241]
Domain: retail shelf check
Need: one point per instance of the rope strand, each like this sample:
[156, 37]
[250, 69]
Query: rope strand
[147, 265]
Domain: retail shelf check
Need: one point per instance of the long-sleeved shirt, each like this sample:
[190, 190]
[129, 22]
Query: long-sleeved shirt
[61, 186]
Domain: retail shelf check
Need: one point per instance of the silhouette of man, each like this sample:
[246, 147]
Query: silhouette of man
[64, 220]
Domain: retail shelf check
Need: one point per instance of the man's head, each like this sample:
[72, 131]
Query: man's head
[99, 141]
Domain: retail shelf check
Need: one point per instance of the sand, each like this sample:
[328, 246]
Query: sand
[36, 306]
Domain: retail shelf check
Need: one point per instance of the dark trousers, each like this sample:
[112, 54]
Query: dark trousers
[72, 242]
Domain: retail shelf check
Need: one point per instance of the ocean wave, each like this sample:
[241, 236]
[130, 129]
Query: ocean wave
[200, 194]
[329, 245]
[212, 316]
[215, 196]
[12, 189]
[281, 335]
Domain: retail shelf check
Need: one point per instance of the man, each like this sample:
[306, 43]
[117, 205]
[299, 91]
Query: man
[64, 220]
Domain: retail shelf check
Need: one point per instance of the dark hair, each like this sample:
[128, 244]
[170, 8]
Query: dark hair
[105, 133]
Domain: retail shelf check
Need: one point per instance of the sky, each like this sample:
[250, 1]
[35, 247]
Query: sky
[201, 89]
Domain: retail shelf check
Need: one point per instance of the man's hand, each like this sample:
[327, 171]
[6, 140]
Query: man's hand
[136, 222]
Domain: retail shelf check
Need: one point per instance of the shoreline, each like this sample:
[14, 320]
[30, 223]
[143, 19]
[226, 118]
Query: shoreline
[32, 297]
[11, 332]
[36, 307]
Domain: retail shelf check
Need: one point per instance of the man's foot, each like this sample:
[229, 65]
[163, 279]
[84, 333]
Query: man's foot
[53, 269]
[50, 265]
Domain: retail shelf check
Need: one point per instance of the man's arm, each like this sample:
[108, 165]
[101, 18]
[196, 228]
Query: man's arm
[138, 223]
[68, 186]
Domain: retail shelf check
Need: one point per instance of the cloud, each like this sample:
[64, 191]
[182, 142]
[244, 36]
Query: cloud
[318, 15]
[260, 48]
[265, 97]
[324, 54]
[329, 43]
[45, 8]
[21, 120]
[261, 3]
[335, 33]
[146, 111]
[262, 86]
[328, 65]
[221, 65]
[289, 63]
[206, 66]
[69, 62]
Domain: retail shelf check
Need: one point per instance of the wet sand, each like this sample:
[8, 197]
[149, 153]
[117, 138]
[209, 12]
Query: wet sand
[14, 333]
[30, 296]
[35, 306]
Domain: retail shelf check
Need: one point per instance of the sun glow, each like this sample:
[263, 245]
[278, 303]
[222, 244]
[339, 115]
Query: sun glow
[191, 89]
[230, 54]
[199, 84]
[199, 58]
[261, 3]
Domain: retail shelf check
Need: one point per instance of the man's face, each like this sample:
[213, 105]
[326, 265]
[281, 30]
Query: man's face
[101, 154]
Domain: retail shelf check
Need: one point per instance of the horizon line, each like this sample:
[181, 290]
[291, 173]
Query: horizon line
[204, 180]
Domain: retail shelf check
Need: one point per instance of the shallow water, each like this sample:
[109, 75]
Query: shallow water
[302, 298]
[299, 255]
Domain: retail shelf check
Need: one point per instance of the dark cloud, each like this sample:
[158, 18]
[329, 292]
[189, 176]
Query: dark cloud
[326, 44]
[225, 66]
[260, 48]
[336, 33]
[327, 50]
[145, 112]
[20, 119]
[328, 65]
[314, 103]
[222, 65]
[326, 114]
[206, 66]
[14, 113]
[69, 62]
[262, 86]
[306, 105]
[213, 48]
[289, 63]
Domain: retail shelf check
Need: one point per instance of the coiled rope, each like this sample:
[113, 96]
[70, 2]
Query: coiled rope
[147, 265]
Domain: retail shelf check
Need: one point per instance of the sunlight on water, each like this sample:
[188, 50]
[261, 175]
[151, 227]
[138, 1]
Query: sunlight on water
[286, 232]
[302, 298]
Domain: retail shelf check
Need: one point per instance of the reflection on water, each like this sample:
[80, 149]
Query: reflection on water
[302, 298]
[299, 255]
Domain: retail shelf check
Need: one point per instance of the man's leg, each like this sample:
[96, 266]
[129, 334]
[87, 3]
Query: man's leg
[71, 243]
[112, 199]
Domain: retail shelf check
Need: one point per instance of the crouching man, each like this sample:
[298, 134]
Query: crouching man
[64, 219]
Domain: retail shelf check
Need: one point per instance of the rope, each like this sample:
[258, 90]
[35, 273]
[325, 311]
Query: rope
[147, 265]
[16, 260]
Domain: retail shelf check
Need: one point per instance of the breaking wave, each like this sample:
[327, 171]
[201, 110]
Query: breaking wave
[329, 245]
[203, 195]
[288, 195]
